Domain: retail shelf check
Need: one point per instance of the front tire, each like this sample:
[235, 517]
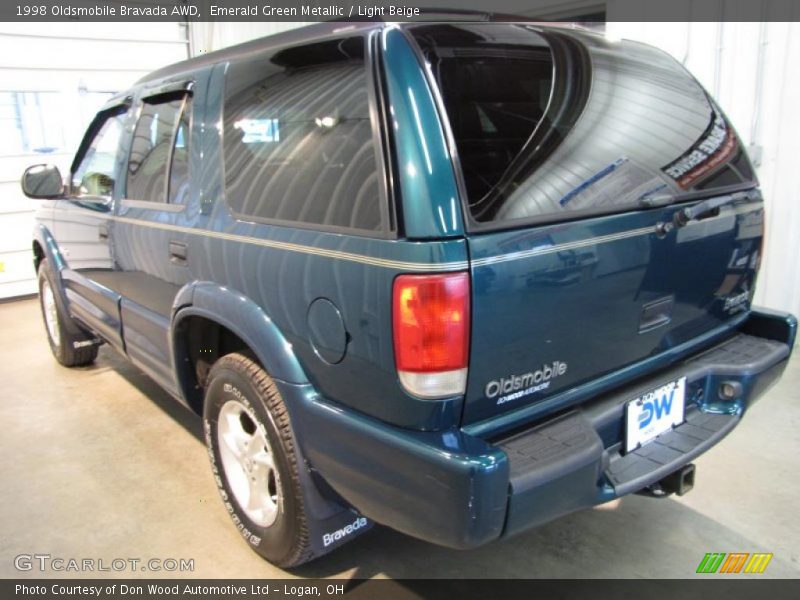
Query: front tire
[251, 447]
[70, 346]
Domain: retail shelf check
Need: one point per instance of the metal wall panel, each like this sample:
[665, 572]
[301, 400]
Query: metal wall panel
[74, 65]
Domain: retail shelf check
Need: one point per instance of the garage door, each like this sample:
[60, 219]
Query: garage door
[53, 77]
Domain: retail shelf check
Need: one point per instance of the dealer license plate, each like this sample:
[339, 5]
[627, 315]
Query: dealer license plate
[653, 413]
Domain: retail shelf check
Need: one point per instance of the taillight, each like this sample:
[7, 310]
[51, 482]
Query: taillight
[430, 318]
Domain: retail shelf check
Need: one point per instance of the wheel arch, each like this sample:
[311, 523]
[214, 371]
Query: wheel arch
[44, 246]
[209, 321]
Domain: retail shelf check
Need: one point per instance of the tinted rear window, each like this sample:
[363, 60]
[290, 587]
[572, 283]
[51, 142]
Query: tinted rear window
[548, 122]
[298, 142]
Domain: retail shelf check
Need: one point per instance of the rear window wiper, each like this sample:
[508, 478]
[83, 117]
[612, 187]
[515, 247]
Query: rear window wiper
[693, 213]
[682, 217]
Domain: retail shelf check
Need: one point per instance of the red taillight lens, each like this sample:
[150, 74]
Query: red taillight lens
[430, 317]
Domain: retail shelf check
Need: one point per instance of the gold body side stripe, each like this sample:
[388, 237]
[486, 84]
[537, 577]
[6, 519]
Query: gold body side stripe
[397, 264]
[291, 247]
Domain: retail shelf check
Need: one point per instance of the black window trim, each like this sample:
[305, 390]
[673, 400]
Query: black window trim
[103, 115]
[380, 130]
[386, 232]
[385, 132]
[159, 95]
[171, 87]
[114, 108]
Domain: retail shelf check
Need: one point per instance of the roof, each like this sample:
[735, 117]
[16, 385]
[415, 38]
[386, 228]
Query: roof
[301, 35]
[321, 31]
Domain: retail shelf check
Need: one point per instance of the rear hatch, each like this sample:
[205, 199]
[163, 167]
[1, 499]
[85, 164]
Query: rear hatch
[613, 213]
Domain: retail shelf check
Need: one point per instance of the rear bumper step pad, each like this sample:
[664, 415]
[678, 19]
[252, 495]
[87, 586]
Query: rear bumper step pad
[669, 451]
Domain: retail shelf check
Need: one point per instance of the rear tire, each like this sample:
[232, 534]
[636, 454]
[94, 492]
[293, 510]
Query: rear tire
[62, 338]
[251, 447]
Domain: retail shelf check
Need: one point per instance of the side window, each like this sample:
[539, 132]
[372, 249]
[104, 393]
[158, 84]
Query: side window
[298, 143]
[158, 164]
[94, 175]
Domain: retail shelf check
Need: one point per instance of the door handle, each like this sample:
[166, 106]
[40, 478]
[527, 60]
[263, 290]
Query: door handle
[102, 232]
[177, 253]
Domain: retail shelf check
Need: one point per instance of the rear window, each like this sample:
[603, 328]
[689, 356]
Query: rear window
[549, 124]
[298, 140]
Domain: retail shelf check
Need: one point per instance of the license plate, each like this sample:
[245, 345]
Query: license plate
[653, 413]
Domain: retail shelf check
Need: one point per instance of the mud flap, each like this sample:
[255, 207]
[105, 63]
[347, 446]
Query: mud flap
[330, 521]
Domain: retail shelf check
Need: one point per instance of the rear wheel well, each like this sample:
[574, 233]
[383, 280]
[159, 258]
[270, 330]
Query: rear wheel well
[199, 343]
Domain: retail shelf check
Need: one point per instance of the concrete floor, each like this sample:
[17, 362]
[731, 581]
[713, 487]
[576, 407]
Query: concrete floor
[98, 462]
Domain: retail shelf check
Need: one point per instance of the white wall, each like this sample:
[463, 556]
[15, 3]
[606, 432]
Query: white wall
[752, 70]
[65, 70]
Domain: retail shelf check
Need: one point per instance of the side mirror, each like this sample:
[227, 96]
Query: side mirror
[42, 182]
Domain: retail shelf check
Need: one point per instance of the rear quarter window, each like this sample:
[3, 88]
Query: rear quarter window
[298, 140]
[567, 124]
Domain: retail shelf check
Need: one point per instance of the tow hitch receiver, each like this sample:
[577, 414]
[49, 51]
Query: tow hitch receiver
[680, 482]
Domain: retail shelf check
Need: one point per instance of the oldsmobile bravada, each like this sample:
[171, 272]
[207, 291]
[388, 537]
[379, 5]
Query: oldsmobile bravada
[455, 279]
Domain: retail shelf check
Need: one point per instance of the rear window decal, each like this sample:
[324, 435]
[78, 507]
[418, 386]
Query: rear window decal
[714, 148]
